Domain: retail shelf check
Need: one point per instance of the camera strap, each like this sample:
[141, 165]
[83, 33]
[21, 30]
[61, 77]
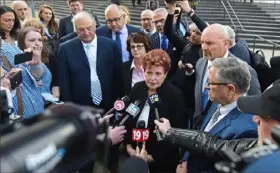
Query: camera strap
[18, 92]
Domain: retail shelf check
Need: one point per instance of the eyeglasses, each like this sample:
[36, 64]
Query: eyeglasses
[215, 83]
[157, 21]
[117, 19]
[139, 47]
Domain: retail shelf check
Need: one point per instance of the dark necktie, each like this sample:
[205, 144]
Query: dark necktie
[118, 39]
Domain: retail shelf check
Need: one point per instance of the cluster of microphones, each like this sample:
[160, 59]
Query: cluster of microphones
[66, 134]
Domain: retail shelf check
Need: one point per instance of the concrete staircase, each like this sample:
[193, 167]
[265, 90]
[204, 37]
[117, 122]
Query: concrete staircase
[256, 20]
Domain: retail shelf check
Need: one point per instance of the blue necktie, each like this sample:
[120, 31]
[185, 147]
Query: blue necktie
[164, 45]
[96, 92]
[118, 39]
[205, 98]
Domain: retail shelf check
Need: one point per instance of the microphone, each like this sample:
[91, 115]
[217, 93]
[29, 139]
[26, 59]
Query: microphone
[119, 105]
[140, 133]
[132, 110]
[135, 165]
[61, 138]
[154, 101]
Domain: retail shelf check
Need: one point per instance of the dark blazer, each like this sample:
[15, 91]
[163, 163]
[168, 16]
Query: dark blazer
[172, 107]
[235, 125]
[75, 72]
[65, 26]
[127, 76]
[173, 54]
[200, 70]
[106, 32]
[68, 37]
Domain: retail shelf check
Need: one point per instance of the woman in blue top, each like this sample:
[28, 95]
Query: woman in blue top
[31, 38]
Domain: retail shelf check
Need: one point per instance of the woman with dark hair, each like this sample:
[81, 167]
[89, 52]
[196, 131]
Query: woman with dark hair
[9, 25]
[138, 44]
[47, 17]
[161, 156]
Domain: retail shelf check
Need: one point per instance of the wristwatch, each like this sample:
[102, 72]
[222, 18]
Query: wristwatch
[190, 13]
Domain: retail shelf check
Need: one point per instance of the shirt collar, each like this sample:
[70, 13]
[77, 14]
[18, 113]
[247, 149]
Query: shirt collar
[93, 43]
[227, 108]
[134, 66]
[123, 30]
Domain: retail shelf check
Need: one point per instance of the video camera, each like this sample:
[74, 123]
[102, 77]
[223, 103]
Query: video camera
[58, 140]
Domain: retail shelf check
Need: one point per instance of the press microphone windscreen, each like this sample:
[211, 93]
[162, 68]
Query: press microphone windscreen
[134, 165]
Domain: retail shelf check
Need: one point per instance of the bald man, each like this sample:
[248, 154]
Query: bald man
[90, 66]
[215, 44]
[147, 24]
[116, 29]
[22, 10]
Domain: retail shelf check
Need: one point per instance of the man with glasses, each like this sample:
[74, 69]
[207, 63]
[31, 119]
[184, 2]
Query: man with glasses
[160, 41]
[148, 26]
[116, 29]
[215, 44]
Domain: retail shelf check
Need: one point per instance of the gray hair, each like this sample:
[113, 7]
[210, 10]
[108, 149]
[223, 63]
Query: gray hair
[161, 10]
[82, 15]
[234, 71]
[194, 26]
[113, 6]
[231, 34]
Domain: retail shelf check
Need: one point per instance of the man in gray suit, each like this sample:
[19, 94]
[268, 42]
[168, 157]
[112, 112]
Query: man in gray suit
[215, 44]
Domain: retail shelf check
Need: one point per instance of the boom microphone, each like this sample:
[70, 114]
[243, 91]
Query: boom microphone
[119, 105]
[132, 110]
[154, 101]
[65, 134]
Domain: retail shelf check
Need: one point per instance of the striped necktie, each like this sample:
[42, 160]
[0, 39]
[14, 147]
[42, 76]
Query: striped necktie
[96, 92]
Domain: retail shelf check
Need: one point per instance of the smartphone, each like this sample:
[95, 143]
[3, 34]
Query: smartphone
[16, 80]
[23, 57]
[177, 10]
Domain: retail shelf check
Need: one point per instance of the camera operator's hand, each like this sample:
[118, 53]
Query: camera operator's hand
[170, 7]
[163, 125]
[184, 5]
[117, 134]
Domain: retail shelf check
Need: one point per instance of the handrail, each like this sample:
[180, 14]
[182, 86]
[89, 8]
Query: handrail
[241, 26]
[269, 41]
[225, 10]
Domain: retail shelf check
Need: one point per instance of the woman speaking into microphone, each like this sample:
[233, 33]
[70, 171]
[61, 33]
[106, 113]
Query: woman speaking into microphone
[160, 99]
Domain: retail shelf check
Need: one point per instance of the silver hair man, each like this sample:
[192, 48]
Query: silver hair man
[233, 71]
[82, 15]
[231, 35]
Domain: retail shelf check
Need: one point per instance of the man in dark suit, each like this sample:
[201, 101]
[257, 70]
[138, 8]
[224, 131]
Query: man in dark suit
[215, 44]
[116, 29]
[160, 41]
[66, 24]
[90, 66]
[228, 79]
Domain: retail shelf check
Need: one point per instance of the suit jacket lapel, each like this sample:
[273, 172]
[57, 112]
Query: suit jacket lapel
[81, 53]
[225, 122]
[200, 78]
[109, 34]
[157, 41]
[208, 116]
[99, 53]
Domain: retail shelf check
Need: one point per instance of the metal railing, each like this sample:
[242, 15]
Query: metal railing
[221, 2]
[274, 45]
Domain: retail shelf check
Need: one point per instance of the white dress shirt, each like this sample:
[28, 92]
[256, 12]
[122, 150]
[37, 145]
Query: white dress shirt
[224, 110]
[137, 74]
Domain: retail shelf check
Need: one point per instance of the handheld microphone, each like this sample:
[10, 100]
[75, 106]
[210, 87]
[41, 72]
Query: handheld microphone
[140, 133]
[132, 110]
[154, 101]
[119, 105]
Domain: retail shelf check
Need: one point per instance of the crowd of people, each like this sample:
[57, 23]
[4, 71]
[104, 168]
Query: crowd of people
[210, 96]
